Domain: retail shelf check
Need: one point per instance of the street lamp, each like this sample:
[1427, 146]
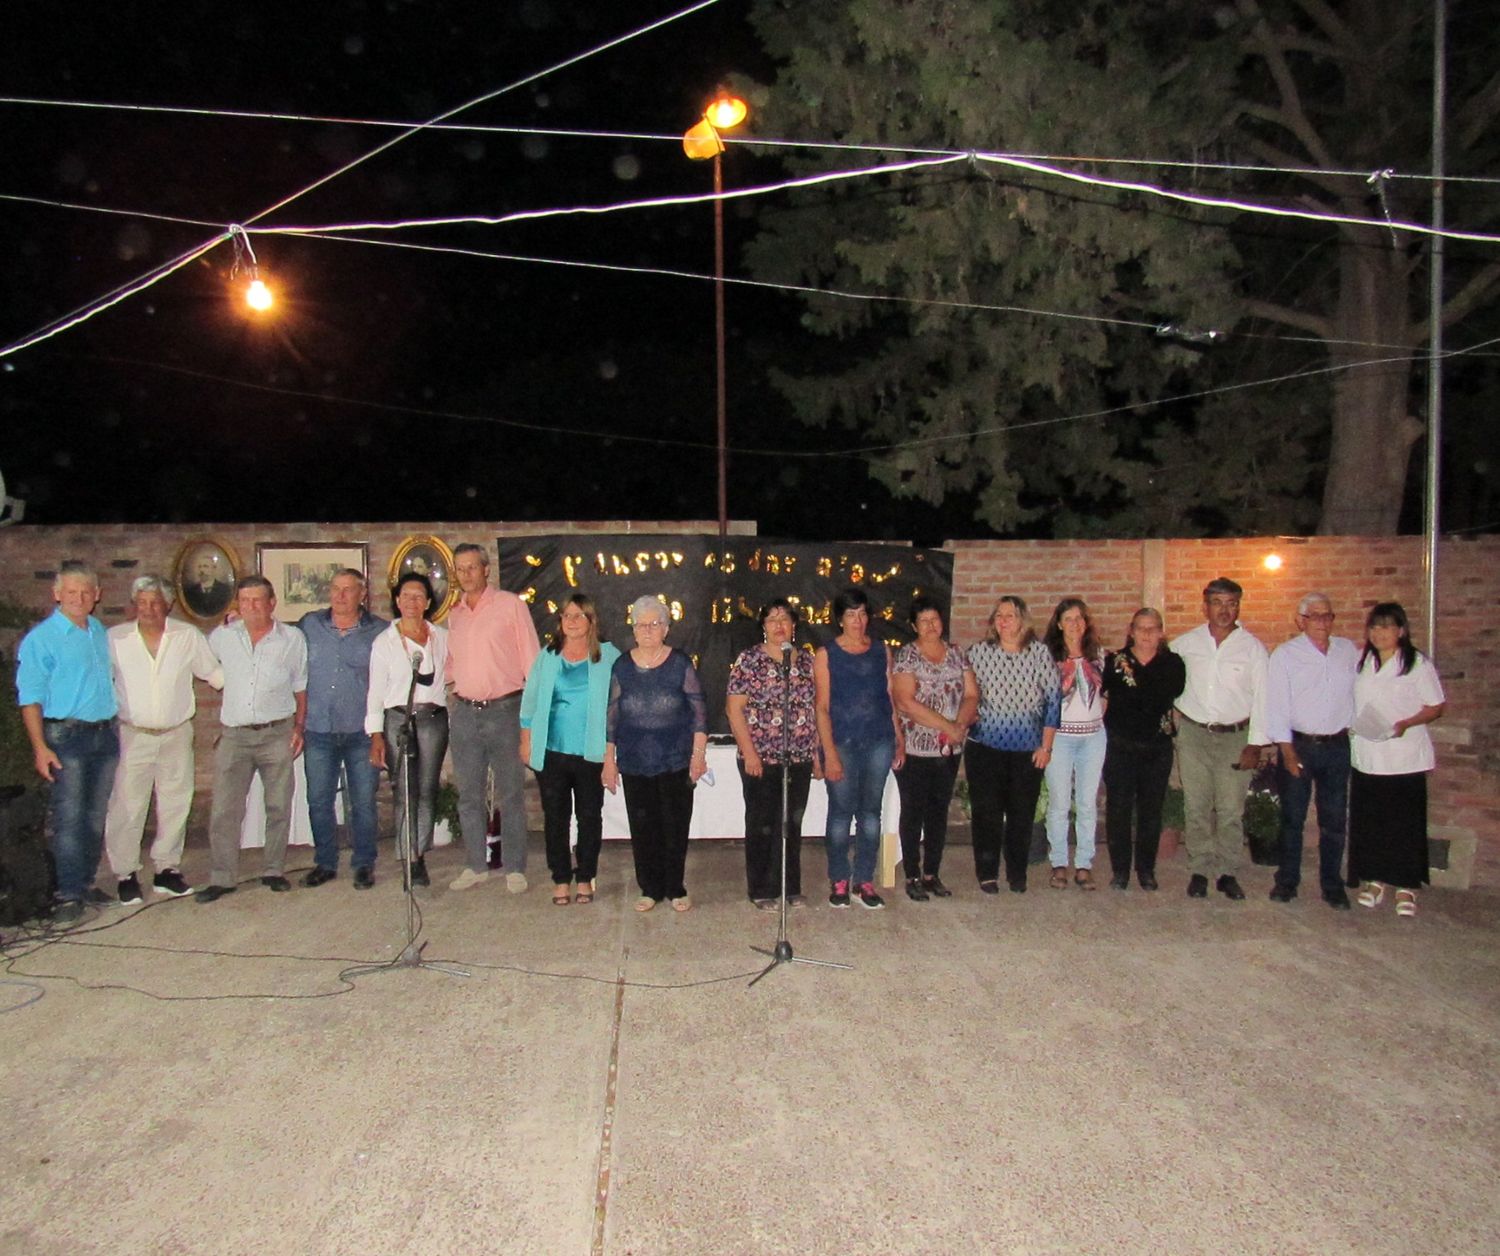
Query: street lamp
[702, 142]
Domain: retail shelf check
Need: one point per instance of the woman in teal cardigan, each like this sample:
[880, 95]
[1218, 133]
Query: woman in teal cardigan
[562, 739]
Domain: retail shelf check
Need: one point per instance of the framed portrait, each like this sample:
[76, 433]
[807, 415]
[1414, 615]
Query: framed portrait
[302, 575]
[427, 556]
[204, 573]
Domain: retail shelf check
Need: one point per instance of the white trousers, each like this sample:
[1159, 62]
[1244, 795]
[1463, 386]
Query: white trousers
[159, 762]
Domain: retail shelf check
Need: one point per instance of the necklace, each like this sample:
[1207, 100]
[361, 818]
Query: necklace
[655, 661]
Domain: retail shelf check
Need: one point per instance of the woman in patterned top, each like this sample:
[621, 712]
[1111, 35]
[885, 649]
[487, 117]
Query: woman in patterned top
[937, 699]
[1010, 743]
[770, 700]
[1077, 759]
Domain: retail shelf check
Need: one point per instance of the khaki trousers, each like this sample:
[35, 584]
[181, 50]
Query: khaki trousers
[159, 763]
[242, 753]
[1213, 797]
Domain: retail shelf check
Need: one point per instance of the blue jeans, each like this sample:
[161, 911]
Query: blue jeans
[80, 799]
[1072, 775]
[1325, 765]
[324, 754]
[857, 798]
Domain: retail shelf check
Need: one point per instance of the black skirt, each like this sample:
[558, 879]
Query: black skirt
[1388, 829]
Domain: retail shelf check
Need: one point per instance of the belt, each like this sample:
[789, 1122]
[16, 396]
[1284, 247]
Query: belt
[480, 703]
[69, 722]
[155, 732]
[257, 728]
[1214, 728]
[1321, 739]
[428, 709]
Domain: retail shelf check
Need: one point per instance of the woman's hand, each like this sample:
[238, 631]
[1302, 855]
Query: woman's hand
[1399, 727]
[698, 765]
[753, 765]
[898, 760]
[833, 766]
[1041, 757]
[377, 749]
[610, 776]
[525, 746]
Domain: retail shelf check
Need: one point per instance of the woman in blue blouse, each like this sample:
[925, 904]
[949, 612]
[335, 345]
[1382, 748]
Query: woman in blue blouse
[562, 740]
[658, 745]
[1011, 742]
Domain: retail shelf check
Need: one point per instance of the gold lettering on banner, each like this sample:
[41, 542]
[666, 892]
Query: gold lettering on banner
[533, 561]
[709, 560]
[528, 595]
[825, 567]
[888, 613]
[674, 607]
[643, 561]
[721, 611]
[857, 572]
[571, 563]
[551, 607]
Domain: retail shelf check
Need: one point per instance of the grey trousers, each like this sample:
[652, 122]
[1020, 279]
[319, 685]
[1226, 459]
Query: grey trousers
[1213, 798]
[241, 754]
[481, 739]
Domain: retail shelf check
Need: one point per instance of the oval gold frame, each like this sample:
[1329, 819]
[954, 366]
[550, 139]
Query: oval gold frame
[180, 602]
[445, 555]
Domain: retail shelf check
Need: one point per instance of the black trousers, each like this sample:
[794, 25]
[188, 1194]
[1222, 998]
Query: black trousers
[1135, 781]
[569, 784]
[925, 783]
[1003, 788]
[660, 809]
[762, 822]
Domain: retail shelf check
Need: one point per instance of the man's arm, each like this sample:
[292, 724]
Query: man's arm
[47, 763]
[299, 721]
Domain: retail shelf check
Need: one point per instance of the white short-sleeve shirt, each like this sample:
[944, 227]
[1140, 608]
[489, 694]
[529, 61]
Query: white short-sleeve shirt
[1395, 696]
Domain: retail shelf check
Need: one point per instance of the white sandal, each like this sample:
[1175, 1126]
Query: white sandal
[1373, 894]
[1406, 902]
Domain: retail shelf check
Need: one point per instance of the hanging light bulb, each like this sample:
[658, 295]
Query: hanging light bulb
[258, 295]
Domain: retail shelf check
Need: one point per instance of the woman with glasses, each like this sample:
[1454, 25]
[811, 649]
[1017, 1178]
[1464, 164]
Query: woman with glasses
[657, 743]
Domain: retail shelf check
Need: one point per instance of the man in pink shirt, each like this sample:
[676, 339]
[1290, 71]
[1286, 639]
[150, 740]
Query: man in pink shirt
[491, 645]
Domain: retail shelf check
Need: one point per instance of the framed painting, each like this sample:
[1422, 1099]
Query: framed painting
[204, 573]
[426, 556]
[301, 573]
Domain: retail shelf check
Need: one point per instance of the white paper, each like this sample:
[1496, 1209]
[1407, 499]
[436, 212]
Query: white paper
[1373, 724]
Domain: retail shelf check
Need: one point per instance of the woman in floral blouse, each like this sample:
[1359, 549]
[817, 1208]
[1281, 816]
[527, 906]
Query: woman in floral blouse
[770, 695]
[937, 698]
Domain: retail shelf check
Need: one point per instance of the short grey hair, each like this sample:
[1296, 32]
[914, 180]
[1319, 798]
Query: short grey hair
[151, 584]
[254, 582]
[1311, 599]
[645, 605]
[75, 567]
[354, 572]
[469, 547]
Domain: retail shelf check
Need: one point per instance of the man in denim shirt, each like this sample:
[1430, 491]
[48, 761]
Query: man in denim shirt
[338, 679]
[67, 701]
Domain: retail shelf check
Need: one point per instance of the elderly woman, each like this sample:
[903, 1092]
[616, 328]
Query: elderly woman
[861, 741]
[411, 648]
[657, 743]
[563, 709]
[937, 698]
[1077, 760]
[1010, 743]
[1396, 694]
[1141, 683]
[770, 707]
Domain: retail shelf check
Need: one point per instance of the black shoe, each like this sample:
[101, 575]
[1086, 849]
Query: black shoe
[67, 913]
[915, 892]
[765, 904]
[318, 876]
[989, 887]
[1229, 888]
[1120, 881]
[1337, 899]
[364, 878]
[130, 889]
[1147, 880]
[169, 881]
[419, 872]
[935, 887]
[839, 894]
[277, 885]
[1018, 886]
[1197, 886]
[212, 893]
[868, 897]
[96, 897]
[1281, 893]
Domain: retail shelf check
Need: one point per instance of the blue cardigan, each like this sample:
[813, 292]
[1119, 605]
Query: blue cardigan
[536, 702]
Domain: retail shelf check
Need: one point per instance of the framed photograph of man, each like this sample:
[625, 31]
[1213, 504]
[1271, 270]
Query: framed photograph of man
[426, 556]
[302, 574]
[204, 572]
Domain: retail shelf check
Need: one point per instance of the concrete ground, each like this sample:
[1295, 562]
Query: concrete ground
[1059, 1072]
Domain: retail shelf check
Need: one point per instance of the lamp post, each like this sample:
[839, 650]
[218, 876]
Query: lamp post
[702, 142]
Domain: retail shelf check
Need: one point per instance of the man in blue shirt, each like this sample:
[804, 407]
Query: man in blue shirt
[338, 680]
[67, 700]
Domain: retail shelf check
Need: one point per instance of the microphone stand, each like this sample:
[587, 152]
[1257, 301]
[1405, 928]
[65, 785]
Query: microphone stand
[406, 844]
[782, 952]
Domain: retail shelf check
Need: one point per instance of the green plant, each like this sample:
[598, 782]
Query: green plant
[1173, 811]
[446, 808]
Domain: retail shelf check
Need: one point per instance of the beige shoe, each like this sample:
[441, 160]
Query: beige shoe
[644, 903]
[516, 882]
[682, 904]
[468, 879]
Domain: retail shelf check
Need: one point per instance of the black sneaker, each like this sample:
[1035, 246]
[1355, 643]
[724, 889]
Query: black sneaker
[936, 888]
[915, 891]
[840, 895]
[419, 872]
[95, 897]
[868, 897]
[169, 881]
[1197, 886]
[67, 913]
[130, 889]
[364, 878]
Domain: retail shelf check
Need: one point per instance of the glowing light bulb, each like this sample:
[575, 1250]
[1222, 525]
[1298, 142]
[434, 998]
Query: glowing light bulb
[725, 111]
[258, 296]
[1272, 562]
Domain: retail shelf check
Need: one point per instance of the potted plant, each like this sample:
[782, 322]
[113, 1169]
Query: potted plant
[1262, 817]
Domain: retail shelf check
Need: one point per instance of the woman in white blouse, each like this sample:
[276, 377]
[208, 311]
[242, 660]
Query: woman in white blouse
[410, 647]
[1396, 693]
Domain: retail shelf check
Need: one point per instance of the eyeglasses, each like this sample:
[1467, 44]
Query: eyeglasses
[1319, 617]
[651, 624]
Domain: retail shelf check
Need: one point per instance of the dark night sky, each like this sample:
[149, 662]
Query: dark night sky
[145, 414]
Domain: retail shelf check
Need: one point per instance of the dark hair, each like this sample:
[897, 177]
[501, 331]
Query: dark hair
[414, 577]
[776, 604]
[921, 604]
[254, 582]
[1391, 615]
[590, 612]
[1053, 638]
[848, 600]
[1222, 584]
[1028, 635]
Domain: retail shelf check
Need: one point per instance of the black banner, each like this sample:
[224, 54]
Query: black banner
[714, 597]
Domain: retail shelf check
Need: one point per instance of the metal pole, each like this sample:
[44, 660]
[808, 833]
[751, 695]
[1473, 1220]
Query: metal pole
[722, 407]
[1435, 321]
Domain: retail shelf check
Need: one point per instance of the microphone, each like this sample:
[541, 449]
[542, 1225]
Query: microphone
[786, 656]
[416, 660]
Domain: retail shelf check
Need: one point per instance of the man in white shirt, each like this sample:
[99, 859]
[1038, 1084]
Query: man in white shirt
[1220, 723]
[1309, 707]
[264, 713]
[155, 660]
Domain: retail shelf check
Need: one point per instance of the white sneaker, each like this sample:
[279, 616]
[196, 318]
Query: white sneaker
[467, 879]
[516, 882]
